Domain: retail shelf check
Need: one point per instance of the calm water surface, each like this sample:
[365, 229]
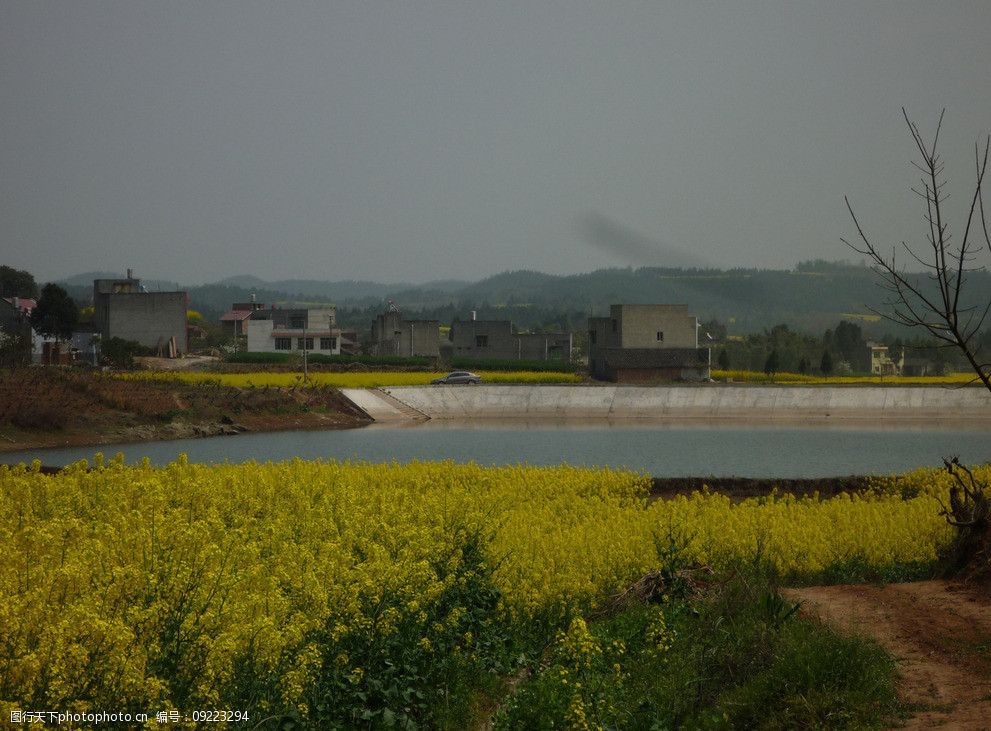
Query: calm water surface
[662, 450]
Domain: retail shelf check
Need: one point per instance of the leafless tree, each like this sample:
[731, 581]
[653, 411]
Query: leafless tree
[969, 511]
[938, 310]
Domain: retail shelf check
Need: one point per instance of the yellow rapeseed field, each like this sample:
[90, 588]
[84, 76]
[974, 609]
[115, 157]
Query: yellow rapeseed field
[298, 587]
[953, 379]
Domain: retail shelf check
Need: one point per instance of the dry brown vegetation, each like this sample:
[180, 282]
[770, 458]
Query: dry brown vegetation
[52, 406]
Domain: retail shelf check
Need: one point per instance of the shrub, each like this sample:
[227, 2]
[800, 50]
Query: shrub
[120, 353]
[512, 365]
[736, 656]
[323, 358]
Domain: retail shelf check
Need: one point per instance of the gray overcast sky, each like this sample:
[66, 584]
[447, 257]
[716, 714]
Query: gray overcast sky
[408, 141]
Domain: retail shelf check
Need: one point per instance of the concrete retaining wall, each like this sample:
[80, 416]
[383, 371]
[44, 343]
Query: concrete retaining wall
[699, 402]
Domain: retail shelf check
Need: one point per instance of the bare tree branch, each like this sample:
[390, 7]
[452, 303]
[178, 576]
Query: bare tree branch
[940, 314]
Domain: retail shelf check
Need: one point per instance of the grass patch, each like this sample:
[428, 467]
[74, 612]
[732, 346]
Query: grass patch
[494, 364]
[173, 414]
[858, 570]
[736, 656]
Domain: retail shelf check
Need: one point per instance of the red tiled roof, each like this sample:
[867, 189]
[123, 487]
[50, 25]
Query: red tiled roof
[24, 304]
[235, 315]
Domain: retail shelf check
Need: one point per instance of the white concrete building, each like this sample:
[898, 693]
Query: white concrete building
[294, 330]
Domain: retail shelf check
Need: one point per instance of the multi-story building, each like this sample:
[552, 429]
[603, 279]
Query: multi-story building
[234, 322]
[643, 343]
[881, 362]
[394, 335]
[495, 340]
[123, 308]
[294, 329]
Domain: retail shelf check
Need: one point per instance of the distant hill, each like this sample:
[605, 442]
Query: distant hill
[86, 280]
[343, 290]
[810, 298]
[445, 285]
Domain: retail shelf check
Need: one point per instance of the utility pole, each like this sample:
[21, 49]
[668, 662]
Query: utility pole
[306, 372]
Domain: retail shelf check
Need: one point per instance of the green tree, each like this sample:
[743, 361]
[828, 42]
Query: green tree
[17, 283]
[723, 359]
[826, 364]
[772, 364]
[120, 353]
[848, 342]
[56, 314]
[803, 365]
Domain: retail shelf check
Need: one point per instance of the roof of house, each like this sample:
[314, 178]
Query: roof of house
[235, 315]
[24, 304]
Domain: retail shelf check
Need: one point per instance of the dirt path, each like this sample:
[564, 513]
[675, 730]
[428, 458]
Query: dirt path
[941, 634]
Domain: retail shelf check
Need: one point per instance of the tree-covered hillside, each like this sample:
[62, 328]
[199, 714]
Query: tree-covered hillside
[811, 298]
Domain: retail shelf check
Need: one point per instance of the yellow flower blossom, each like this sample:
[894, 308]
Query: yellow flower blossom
[275, 566]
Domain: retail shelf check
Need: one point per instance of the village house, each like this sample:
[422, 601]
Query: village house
[496, 340]
[294, 330]
[15, 322]
[881, 362]
[392, 334]
[18, 337]
[123, 308]
[644, 343]
[233, 323]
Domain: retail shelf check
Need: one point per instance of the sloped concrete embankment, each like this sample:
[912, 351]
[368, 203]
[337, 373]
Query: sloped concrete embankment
[868, 404]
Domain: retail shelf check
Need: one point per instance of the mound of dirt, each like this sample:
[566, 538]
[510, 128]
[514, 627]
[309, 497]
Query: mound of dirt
[41, 407]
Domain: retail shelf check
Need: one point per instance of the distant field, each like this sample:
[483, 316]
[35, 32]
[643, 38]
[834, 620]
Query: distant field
[864, 318]
[342, 380]
[954, 379]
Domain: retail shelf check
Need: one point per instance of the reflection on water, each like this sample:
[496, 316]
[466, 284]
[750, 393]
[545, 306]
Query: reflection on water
[663, 449]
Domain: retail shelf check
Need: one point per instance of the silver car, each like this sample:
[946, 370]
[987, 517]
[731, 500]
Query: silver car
[457, 377]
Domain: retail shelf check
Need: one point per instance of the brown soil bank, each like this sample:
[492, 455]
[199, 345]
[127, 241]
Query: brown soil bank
[53, 407]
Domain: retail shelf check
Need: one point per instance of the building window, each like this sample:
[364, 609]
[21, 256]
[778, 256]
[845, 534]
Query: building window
[591, 336]
[304, 343]
[328, 343]
[297, 322]
[660, 336]
[615, 325]
[283, 343]
[481, 341]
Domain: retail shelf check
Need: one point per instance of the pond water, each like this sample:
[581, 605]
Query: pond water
[662, 450]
